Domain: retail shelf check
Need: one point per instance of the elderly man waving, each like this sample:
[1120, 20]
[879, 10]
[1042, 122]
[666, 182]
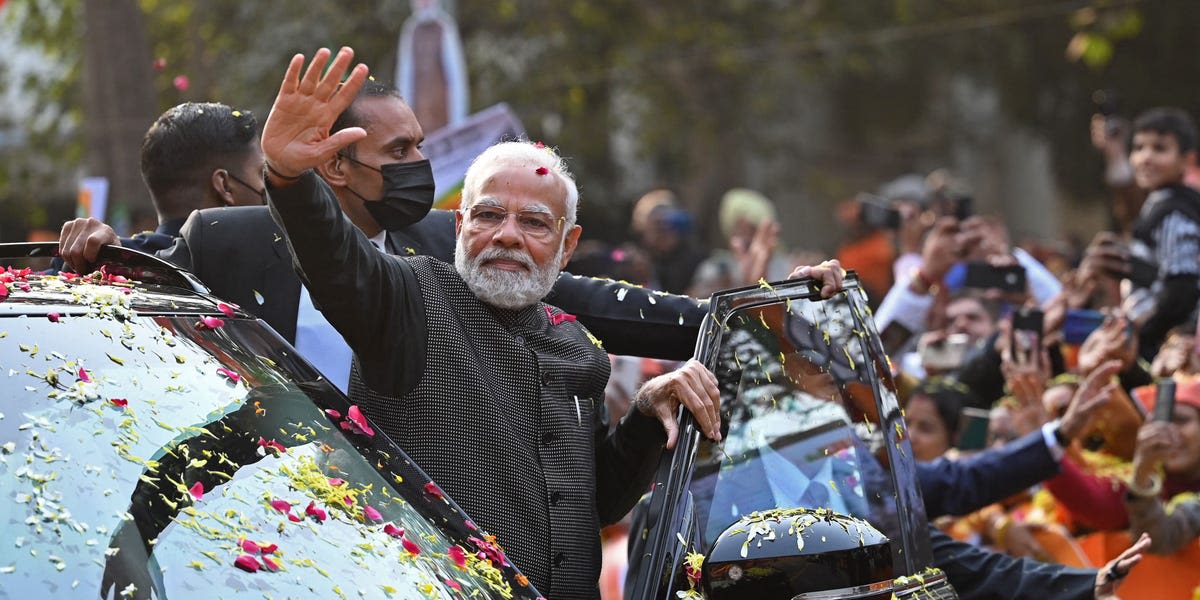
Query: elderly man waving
[498, 395]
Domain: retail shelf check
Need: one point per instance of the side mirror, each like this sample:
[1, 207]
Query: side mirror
[789, 553]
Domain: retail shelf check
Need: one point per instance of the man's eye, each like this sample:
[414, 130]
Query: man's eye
[489, 216]
[533, 223]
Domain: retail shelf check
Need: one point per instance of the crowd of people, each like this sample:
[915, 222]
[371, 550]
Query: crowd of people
[477, 333]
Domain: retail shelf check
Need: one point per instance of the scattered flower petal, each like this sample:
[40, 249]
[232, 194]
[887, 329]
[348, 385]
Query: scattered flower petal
[393, 531]
[209, 323]
[410, 546]
[270, 563]
[83, 375]
[454, 584]
[336, 482]
[458, 555]
[293, 518]
[249, 547]
[432, 489]
[317, 513]
[541, 170]
[272, 445]
[247, 563]
[160, 64]
[558, 319]
[225, 308]
[181, 83]
[371, 513]
[121, 402]
[268, 548]
[53, 317]
[282, 506]
[333, 413]
[197, 491]
[356, 422]
[234, 377]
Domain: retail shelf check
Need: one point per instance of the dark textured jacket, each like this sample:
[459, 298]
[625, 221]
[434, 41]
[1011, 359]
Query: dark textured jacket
[501, 408]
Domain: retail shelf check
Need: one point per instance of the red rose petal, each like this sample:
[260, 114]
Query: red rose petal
[541, 170]
[312, 511]
[294, 518]
[268, 548]
[53, 317]
[209, 323]
[83, 375]
[333, 413]
[197, 491]
[336, 482]
[282, 506]
[393, 531]
[119, 402]
[432, 489]
[410, 546]
[249, 547]
[454, 584]
[225, 308]
[355, 416]
[371, 513]
[272, 566]
[458, 555]
[234, 377]
[181, 83]
[247, 563]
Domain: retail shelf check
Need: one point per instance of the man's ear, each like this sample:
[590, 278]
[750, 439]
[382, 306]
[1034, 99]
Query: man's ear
[569, 244]
[1189, 158]
[331, 171]
[458, 221]
[222, 190]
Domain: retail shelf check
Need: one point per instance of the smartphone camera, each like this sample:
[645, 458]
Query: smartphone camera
[877, 213]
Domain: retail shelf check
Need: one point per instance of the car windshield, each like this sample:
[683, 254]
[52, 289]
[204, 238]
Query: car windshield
[803, 427]
[810, 420]
[197, 457]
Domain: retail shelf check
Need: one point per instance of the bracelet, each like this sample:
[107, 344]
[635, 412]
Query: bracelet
[281, 175]
[1151, 491]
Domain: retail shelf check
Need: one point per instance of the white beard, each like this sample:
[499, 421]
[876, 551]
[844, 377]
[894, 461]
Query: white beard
[506, 289]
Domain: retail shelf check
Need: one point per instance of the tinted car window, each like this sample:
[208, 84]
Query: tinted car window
[810, 420]
[181, 453]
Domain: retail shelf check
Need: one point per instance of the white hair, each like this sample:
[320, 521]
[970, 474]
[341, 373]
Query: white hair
[520, 154]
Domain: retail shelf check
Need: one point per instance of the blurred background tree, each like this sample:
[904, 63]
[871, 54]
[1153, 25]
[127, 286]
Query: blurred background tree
[809, 101]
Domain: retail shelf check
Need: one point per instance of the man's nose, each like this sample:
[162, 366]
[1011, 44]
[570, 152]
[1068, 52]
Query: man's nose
[509, 234]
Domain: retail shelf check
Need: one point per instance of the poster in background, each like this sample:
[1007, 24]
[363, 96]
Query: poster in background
[451, 149]
[93, 198]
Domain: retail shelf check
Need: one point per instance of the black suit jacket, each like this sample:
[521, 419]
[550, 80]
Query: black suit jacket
[240, 254]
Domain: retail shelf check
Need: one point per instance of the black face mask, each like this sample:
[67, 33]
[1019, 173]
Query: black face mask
[407, 193]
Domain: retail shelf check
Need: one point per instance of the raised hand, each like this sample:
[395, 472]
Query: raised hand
[296, 136]
[1108, 578]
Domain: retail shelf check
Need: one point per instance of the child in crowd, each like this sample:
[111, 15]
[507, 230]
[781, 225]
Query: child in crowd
[1166, 234]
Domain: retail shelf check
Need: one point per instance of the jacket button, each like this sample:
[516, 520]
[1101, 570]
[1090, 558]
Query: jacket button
[555, 497]
[520, 339]
[548, 438]
[559, 559]
[547, 377]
